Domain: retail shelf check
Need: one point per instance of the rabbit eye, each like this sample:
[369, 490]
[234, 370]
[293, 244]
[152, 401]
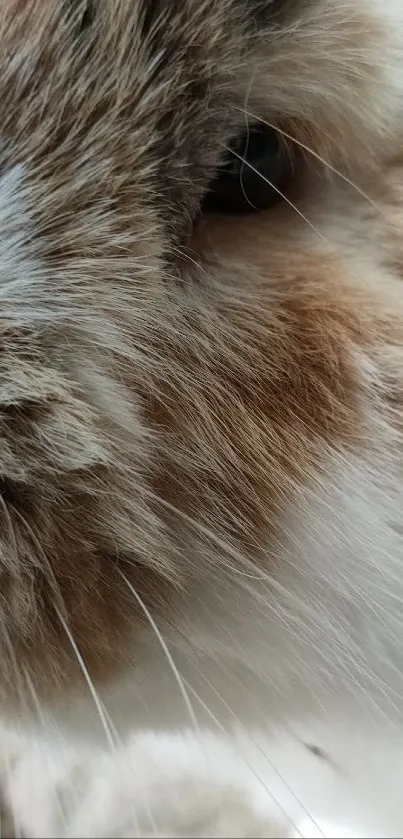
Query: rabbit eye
[253, 175]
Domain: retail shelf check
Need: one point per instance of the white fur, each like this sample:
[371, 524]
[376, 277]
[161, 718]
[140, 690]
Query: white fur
[173, 785]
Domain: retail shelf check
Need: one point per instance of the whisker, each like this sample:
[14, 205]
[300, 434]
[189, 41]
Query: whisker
[320, 159]
[104, 716]
[44, 726]
[279, 192]
[242, 168]
[87, 677]
[164, 646]
[223, 730]
[245, 113]
[263, 753]
[113, 738]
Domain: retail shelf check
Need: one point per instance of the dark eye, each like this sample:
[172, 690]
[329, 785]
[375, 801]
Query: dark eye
[253, 176]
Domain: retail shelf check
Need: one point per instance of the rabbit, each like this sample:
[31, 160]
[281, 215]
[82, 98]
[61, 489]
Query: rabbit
[200, 410]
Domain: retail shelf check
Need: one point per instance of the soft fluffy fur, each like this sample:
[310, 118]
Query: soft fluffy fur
[201, 419]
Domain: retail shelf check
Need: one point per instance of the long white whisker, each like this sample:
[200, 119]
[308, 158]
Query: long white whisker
[262, 752]
[242, 169]
[223, 730]
[279, 192]
[97, 702]
[165, 649]
[44, 726]
[112, 735]
[320, 159]
[245, 113]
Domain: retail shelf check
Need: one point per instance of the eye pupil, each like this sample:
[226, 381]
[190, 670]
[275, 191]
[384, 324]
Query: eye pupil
[253, 174]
